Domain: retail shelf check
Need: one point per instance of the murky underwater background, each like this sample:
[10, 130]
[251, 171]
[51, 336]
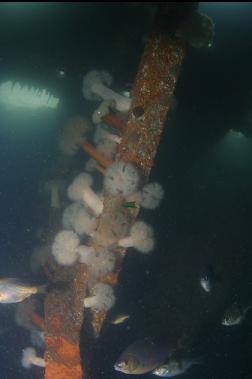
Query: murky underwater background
[204, 164]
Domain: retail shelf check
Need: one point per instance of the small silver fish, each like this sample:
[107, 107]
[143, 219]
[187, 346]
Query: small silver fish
[205, 284]
[175, 367]
[120, 318]
[235, 315]
[13, 290]
[208, 278]
[142, 356]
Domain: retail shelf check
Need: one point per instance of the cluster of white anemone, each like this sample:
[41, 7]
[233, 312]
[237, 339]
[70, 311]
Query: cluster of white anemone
[76, 217]
[80, 219]
[96, 86]
[140, 237]
[67, 249]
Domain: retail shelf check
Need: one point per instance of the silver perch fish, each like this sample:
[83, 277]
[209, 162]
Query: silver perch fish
[142, 356]
[13, 290]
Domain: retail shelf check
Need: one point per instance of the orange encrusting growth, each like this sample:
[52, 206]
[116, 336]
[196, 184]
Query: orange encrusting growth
[115, 121]
[66, 362]
[92, 152]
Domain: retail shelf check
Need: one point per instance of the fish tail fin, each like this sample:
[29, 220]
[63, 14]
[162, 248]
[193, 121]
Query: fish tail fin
[42, 289]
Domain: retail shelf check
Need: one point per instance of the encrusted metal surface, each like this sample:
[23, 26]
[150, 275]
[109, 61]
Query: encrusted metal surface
[152, 96]
[64, 317]
[152, 99]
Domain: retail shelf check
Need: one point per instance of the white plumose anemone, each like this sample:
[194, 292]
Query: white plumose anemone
[84, 223]
[100, 262]
[76, 217]
[65, 248]
[152, 194]
[69, 214]
[121, 178]
[140, 237]
[103, 297]
[95, 77]
[29, 358]
[80, 190]
[95, 84]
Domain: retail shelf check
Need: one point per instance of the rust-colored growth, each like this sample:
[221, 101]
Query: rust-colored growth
[91, 150]
[64, 317]
[66, 362]
[38, 321]
[152, 99]
[115, 121]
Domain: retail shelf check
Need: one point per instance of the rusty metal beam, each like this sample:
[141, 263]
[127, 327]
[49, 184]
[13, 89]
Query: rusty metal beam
[152, 99]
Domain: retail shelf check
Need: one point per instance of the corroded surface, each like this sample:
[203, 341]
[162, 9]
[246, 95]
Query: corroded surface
[153, 95]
